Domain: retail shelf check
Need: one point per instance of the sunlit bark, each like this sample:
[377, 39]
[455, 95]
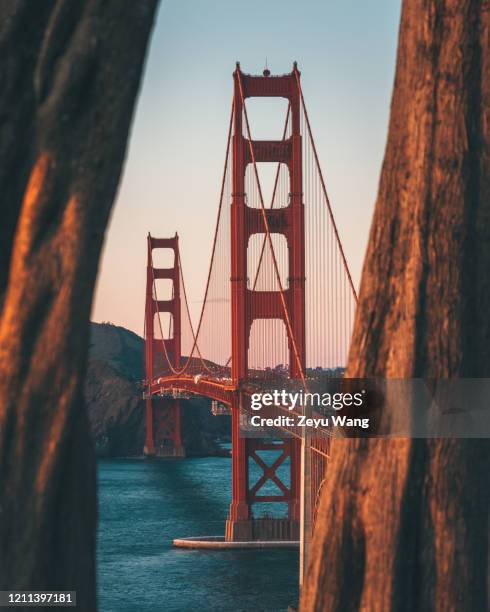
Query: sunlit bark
[69, 74]
[403, 525]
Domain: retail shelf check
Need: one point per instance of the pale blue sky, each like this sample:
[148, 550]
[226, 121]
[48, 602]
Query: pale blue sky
[346, 53]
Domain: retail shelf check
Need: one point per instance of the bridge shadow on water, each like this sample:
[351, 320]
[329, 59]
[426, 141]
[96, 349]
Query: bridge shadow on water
[143, 505]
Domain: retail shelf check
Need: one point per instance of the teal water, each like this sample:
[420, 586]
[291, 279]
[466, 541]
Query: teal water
[143, 505]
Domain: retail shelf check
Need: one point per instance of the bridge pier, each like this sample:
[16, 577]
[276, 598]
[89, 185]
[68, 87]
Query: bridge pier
[241, 525]
[166, 452]
[262, 530]
[163, 430]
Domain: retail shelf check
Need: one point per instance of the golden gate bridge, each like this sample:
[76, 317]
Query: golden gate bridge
[277, 311]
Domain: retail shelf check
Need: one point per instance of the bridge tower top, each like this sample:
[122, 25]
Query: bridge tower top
[269, 85]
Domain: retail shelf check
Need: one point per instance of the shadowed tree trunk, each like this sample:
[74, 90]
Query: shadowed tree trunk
[403, 524]
[69, 76]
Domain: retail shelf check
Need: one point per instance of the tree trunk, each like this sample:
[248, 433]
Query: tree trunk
[403, 524]
[69, 74]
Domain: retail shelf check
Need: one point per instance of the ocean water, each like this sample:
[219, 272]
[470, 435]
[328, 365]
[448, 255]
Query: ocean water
[143, 505]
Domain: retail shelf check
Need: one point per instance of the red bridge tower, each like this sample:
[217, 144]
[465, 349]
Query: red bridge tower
[248, 305]
[163, 432]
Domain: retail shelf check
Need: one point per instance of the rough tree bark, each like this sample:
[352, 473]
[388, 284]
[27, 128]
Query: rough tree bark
[403, 525]
[69, 75]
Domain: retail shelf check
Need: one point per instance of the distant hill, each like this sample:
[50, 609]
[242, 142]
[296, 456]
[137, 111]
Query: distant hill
[115, 406]
[118, 347]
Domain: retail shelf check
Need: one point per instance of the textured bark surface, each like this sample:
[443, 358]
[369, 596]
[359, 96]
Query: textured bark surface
[69, 74]
[403, 524]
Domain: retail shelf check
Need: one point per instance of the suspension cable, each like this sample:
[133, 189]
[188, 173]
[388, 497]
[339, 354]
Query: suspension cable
[195, 336]
[317, 161]
[272, 198]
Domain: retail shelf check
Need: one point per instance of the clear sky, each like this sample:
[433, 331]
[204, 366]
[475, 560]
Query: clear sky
[345, 50]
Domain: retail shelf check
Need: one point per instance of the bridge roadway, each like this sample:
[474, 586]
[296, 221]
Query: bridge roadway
[224, 391]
